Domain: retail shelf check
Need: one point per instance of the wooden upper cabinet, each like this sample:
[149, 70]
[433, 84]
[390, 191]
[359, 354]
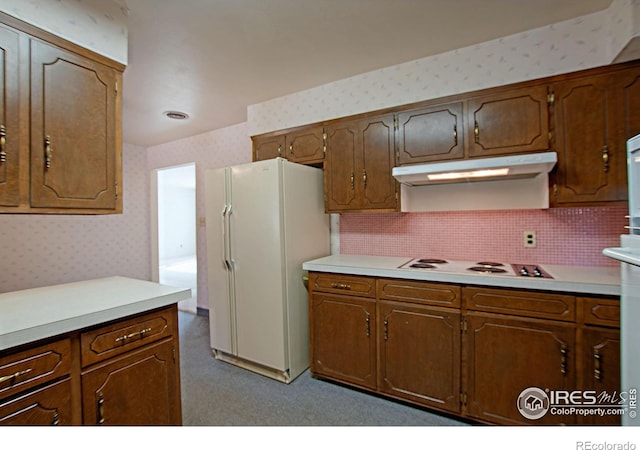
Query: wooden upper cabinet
[302, 146]
[268, 147]
[431, 134]
[360, 157]
[73, 130]
[591, 156]
[340, 168]
[61, 117]
[306, 146]
[630, 96]
[514, 121]
[9, 126]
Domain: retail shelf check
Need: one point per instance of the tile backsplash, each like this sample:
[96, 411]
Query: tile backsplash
[574, 236]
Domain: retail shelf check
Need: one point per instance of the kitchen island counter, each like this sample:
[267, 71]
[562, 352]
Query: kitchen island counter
[33, 314]
[574, 279]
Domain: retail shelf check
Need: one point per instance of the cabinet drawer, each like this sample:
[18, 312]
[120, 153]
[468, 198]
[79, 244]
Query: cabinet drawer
[115, 339]
[419, 292]
[343, 284]
[50, 405]
[520, 303]
[29, 368]
[600, 311]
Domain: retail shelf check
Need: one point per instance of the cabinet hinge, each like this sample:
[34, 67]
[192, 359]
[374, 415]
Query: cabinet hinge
[174, 353]
[395, 122]
[116, 193]
[463, 399]
[463, 325]
[551, 98]
[115, 94]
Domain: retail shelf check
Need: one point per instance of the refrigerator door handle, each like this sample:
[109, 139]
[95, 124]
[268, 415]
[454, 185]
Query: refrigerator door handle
[225, 259]
[227, 241]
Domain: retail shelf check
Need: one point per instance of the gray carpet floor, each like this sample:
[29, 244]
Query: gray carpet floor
[216, 393]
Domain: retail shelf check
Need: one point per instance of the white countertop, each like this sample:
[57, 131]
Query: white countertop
[33, 314]
[575, 279]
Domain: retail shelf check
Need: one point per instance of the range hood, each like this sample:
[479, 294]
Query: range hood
[481, 169]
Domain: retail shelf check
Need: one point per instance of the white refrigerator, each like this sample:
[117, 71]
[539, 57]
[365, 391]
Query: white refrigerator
[264, 219]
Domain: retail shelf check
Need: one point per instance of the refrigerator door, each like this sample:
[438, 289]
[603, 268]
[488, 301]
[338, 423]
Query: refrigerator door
[220, 277]
[257, 259]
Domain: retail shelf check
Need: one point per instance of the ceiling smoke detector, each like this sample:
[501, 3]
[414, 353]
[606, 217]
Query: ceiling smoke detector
[176, 115]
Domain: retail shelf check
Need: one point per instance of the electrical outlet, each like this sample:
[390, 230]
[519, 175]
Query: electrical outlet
[530, 239]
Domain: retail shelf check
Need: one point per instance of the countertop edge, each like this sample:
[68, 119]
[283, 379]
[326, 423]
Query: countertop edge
[568, 286]
[96, 317]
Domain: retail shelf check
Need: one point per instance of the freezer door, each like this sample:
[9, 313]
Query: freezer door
[257, 260]
[220, 277]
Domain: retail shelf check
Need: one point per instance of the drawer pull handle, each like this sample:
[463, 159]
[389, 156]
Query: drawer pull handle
[344, 286]
[563, 360]
[597, 373]
[3, 144]
[605, 158]
[48, 152]
[132, 335]
[100, 409]
[14, 375]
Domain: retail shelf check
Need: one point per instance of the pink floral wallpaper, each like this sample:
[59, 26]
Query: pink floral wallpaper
[41, 250]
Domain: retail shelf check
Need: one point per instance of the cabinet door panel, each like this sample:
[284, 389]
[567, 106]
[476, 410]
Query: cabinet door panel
[377, 146]
[267, 147]
[631, 103]
[340, 171]
[431, 134]
[506, 356]
[601, 366]
[138, 388]
[343, 339]
[9, 88]
[73, 138]
[305, 146]
[591, 167]
[420, 354]
[511, 122]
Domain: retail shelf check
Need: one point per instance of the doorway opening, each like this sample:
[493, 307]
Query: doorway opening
[176, 231]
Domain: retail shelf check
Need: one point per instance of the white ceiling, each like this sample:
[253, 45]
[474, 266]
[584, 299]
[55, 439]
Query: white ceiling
[213, 58]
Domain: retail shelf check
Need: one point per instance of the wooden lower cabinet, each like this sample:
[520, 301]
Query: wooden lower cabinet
[466, 350]
[343, 330]
[506, 355]
[428, 370]
[125, 372]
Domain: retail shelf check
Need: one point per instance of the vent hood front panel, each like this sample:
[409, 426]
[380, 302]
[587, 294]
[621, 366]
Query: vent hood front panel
[473, 170]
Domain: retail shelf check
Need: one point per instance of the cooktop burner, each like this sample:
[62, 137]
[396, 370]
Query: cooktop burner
[432, 261]
[490, 264]
[422, 265]
[487, 268]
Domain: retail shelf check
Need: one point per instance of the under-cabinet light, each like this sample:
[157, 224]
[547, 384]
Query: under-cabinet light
[470, 174]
